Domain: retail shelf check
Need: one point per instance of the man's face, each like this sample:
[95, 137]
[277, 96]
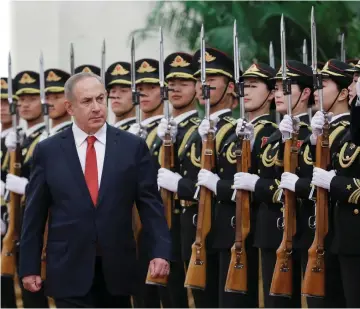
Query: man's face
[330, 92]
[352, 87]
[219, 83]
[88, 106]
[30, 107]
[256, 92]
[280, 99]
[150, 96]
[182, 92]
[56, 103]
[120, 99]
[5, 112]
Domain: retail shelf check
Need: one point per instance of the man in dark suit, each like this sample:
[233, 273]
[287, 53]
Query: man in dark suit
[87, 181]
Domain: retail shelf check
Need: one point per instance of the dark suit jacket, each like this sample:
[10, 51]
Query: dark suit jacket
[57, 185]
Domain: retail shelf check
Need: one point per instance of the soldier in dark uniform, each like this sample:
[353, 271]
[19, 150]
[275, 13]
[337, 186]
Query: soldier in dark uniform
[8, 299]
[30, 109]
[55, 80]
[258, 98]
[264, 184]
[181, 82]
[118, 84]
[148, 84]
[219, 70]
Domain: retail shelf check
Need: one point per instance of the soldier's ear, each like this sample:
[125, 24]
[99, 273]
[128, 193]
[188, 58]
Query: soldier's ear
[69, 107]
[344, 94]
[306, 94]
[271, 95]
[231, 87]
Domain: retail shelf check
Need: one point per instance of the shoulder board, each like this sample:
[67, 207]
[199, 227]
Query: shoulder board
[230, 120]
[151, 124]
[265, 122]
[195, 120]
[343, 123]
[303, 124]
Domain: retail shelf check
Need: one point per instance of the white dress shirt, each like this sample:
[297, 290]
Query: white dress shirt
[81, 146]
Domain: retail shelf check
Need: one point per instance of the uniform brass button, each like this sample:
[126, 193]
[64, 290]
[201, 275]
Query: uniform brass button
[224, 154]
[188, 154]
[282, 209]
[156, 153]
[221, 170]
[185, 172]
[356, 211]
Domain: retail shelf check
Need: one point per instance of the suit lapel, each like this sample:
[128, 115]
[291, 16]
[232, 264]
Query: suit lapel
[109, 160]
[69, 148]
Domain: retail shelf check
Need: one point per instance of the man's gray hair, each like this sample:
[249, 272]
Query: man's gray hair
[73, 80]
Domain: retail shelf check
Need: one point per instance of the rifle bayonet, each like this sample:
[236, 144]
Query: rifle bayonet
[45, 105]
[103, 67]
[72, 59]
[343, 50]
[305, 52]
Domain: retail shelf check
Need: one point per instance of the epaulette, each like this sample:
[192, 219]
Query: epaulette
[303, 124]
[343, 123]
[151, 124]
[266, 122]
[195, 120]
[230, 120]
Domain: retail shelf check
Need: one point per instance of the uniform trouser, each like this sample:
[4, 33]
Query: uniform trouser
[208, 298]
[237, 300]
[350, 274]
[8, 298]
[334, 293]
[268, 261]
[175, 294]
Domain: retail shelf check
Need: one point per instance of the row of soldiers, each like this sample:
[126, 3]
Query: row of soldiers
[265, 179]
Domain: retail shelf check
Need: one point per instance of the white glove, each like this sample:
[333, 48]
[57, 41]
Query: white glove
[10, 141]
[16, 184]
[286, 126]
[322, 178]
[162, 127]
[317, 123]
[3, 228]
[168, 180]
[135, 129]
[247, 130]
[2, 188]
[204, 126]
[208, 180]
[288, 181]
[245, 181]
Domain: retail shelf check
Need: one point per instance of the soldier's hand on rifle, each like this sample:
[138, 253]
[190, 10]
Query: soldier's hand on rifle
[287, 126]
[204, 126]
[244, 128]
[10, 141]
[2, 188]
[32, 283]
[16, 184]
[317, 123]
[3, 227]
[168, 180]
[322, 178]
[208, 180]
[135, 129]
[288, 181]
[163, 126]
[245, 181]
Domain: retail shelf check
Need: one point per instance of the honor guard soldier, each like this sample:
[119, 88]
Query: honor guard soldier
[335, 82]
[258, 98]
[8, 299]
[118, 84]
[184, 124]
[30, 109]
[264, 184]
[88, 68]
[219, 76]
[55, 80]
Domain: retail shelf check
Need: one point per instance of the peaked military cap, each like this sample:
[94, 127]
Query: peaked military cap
[354, 67]
[298, 72]
[55, 80]
[147, 71]
[217, 63]
[118, 74]
[4, 88]
[179, 65]
[337, 71]
[27, 82]
[88, 68]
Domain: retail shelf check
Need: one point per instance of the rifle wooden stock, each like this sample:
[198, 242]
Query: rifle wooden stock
[314, 278]
[11, 239]
[236, 280]
[196, 273]
[281, 284]
[167, 161]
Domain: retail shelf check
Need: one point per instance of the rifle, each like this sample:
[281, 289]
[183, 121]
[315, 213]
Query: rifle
[167, 159]
[305, 61]
[236, 280]
[314, 278]
[281, 284]
[11, 239]
[196, 273]
[272, 64]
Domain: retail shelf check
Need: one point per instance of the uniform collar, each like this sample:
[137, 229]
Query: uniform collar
[258, 117]
[32, 130]
[124, 121]
[58, 127]
[150, 120]
[5, 132]
[182, 117]
[80, 136]
[338, 116]
[220, 112]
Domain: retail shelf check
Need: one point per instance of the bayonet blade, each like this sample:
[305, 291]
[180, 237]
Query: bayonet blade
[161, 62]
[72, 59]
[313, 42]
[103, 56]
[343, 51]
[133, 86]
[10, 90]
[236, 54]
[42, 79]
[305, 52]
[271, 55]
[202, 55]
